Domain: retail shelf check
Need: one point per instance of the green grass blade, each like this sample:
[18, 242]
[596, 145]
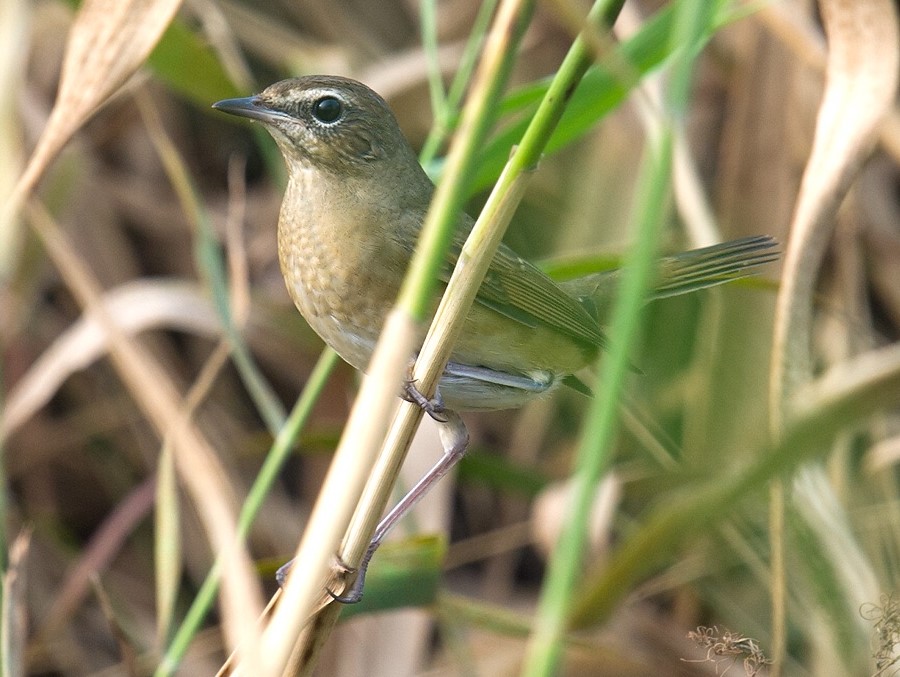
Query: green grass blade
[262, 485]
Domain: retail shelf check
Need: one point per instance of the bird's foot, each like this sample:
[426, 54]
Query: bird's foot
[340, 570]
[355, 592]
[434, 406]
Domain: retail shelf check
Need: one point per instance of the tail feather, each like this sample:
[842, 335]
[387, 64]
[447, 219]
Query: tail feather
[711, 266]
[683, 273]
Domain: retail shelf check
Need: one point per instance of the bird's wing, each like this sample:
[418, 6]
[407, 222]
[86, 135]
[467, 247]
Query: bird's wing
[518, 290]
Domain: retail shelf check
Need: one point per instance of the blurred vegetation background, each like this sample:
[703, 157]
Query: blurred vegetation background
[81, 462]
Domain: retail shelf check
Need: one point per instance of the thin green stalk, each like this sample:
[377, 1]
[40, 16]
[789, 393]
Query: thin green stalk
[211, 267]
[547, 641]
[450, 103]
[262, 485]
[859, 388]
[470, 54]
[417, 292]
[574, 66]
[428, 11]
[486, 233]
[283, 444]
[596, 441]
[488, 230]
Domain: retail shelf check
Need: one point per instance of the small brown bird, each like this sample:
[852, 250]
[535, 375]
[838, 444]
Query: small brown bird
[351, 215]
[355, 203]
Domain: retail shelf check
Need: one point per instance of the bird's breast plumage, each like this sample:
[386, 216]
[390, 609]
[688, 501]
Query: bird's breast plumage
[343, 273]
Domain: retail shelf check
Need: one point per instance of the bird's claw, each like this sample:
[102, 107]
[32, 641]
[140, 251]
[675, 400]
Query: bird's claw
[282, 573]
[343, 569]
[351, 597]
[340, 569]
[434, 407]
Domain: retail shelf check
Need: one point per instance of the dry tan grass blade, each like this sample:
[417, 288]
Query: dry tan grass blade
[108, 42]
[198, 466]
[13, 608]
[137, 306]
[14, 37]
[861, 82]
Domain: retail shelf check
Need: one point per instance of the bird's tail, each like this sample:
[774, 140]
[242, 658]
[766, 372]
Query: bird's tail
[684, 273]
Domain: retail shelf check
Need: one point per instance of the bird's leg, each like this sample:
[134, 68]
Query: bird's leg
[455, 440]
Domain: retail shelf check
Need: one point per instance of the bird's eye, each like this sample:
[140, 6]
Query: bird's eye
[327, 109]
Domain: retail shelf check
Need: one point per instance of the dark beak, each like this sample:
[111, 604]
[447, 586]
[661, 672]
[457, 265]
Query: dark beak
[250, 107]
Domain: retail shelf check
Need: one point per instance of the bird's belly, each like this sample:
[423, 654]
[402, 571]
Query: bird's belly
[350, 328]
[470, 384]
[500, 363]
